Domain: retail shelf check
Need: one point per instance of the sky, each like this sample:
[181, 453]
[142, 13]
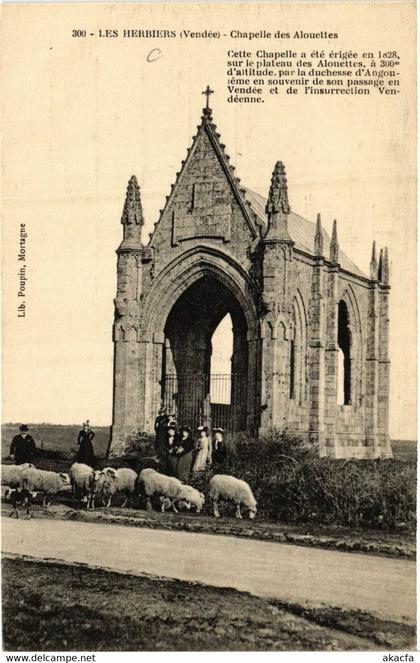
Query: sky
[81, 115]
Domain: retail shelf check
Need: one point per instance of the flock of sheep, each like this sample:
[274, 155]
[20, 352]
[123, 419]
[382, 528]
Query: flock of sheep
[99, 486]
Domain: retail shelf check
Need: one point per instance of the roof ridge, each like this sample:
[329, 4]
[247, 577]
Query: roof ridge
[303, 237]
[235, 182]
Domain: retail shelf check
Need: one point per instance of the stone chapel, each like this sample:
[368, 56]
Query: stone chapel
[310, 329]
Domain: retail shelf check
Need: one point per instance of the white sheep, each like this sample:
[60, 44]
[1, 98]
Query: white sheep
[49, 483]
[11, 474]
[66, 477]
[154, 483]
[82, 479]
[112, 481]
[227, 487]
[190, 497]
[95, 481]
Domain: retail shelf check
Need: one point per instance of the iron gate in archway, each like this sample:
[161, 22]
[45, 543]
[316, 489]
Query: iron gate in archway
[214, 400]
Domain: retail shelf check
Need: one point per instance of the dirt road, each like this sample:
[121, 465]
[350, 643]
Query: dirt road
[385, 587]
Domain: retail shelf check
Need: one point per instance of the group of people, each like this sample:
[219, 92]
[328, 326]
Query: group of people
[180, 453]
[183, 455]
[23, 449]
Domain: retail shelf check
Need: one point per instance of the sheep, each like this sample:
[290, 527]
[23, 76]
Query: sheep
[11, 474]
[123, 480]
[190, 497]
[46, 482]
[153, 483]
[83, 481]
[95, 484]
[66, 478]
[229, 488]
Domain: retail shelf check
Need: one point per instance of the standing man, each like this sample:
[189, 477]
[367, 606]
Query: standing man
[85, 453]
[23, 446]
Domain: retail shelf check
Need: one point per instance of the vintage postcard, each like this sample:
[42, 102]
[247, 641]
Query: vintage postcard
[209, 327]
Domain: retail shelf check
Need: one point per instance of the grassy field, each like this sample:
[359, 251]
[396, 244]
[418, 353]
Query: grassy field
[52, 437]
[58, 607]
[406, 449]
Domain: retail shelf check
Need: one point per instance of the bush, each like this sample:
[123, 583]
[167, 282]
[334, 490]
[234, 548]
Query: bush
[292, 483]
[140, 444]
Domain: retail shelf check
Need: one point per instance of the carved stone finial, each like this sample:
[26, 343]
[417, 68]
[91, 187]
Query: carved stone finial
[380, 265]
[374, 263]
[385, 267]
[132, 212]
[334, 247]
[132, 216]
[277, 207]
[278, 199]
[319, 237]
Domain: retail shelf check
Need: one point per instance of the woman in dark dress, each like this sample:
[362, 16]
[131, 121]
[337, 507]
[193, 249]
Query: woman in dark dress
[85, 452]
[161, 430]
[171, 449]
[184, 454]
[219, 447]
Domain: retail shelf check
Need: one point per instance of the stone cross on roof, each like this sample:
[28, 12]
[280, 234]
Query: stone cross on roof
[207, 92]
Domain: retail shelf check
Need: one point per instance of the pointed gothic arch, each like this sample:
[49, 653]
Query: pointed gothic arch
[298, 350]
[350, 344]
[182, 272]
[199, 289]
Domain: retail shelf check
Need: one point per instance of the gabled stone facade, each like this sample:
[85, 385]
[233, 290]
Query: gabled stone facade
[310, 330]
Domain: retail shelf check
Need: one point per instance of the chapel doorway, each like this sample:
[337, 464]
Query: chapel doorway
[205, 358]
